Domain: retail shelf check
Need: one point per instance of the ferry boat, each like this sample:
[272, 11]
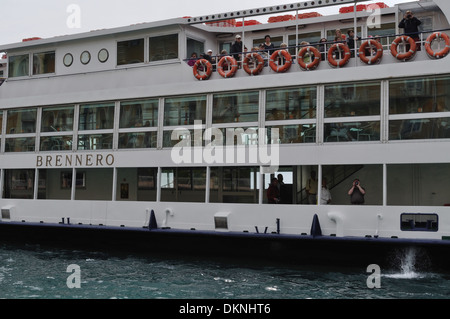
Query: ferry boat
[125, 138]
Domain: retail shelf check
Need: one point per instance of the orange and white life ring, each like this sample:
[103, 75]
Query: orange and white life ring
[444, 51]
[404, 56]
[257, 60]
[315, 61]
[339, 47]
[202, 69]
[282, 54]
[230, 61]
[367, 46]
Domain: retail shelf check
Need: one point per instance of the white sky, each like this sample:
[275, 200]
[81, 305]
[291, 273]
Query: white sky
[48, 18]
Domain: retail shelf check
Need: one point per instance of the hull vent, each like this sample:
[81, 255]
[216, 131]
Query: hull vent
[6, 213]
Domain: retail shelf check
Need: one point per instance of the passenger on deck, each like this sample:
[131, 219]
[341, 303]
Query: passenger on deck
[338, 33]
[193, 59]
[268, 46]
[410, 24]
[357, 193]
[323, 48]
[236, 48]
[325, 195]
[273, 193]
[311, 188]
[351, 41]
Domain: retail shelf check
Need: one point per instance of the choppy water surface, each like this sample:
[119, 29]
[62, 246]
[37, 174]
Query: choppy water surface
[32, 272]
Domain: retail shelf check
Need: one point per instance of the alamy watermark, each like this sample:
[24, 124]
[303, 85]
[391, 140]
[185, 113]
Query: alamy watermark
[74, 19]
[374, 279]
[74, 280]
[237, 146]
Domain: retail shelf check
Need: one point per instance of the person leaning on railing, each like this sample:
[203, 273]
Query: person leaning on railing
[410, 24]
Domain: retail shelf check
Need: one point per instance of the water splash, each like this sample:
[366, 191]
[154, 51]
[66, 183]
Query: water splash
[409, 260]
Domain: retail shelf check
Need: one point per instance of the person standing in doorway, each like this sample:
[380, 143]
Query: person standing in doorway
[357, 193]
[311, 188]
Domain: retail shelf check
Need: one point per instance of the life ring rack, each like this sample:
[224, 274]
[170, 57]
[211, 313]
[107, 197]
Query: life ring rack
[372, 59]
[441, 54]
[404, 56]
[205, 64]
[258, 60]
[314, 63]
[231, 61]
[339, 46]
[280, 54]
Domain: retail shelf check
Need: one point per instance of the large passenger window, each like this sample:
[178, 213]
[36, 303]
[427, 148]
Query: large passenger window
[291, 104]
[234, 185]
[18, 65]
[183, 184]
[163, 47]
[44, 63]
[130, 51]
[236, 107]
[18, 183]
[343, 100]
[96, 117]
[418, 184]
[184, 110]
[21, 121]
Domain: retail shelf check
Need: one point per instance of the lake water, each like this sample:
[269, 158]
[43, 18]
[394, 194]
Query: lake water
[35, 272]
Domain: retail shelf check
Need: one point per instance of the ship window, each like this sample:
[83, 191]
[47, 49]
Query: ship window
[21, 121]
[311, 37]
[424, 95]
[418, 184]
[352, 131]
[182, 138]
[44, 63]
[184, 110]
[234, 185]
[163, 47]
[290, 134]
[291, 104]
[419, 222]
[138, 140]
[411, 129]
[183, 184]
[20, 144]
[340, 180]
[137, 114]
[130, 51]
[343, 100]
[290, 186]
[1, 125]
[59, 119]
[54, 184]
[96, 117]
[136, 184]
[97, 184]
[234, 136]
[56, 143]
[18, 65]
[138, 124]
[384, 31]
[18, 183]
[194, 46]
[95, 141]
[236, 107]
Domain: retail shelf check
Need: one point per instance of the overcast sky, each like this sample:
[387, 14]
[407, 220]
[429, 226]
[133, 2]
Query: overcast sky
[48, 18]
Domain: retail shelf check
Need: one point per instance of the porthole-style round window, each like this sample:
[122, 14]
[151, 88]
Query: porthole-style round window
[85, 57]
[103, 55]
[68, 59]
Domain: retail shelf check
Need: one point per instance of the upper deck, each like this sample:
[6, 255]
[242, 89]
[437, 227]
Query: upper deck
[147, 60]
